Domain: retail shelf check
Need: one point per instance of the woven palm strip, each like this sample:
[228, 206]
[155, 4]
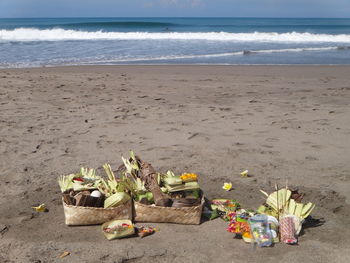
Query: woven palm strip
[157, 214]
[81, 215]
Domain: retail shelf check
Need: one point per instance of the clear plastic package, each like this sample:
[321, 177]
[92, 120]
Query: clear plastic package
[260, 230]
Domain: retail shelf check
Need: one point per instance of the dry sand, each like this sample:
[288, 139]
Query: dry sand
[283, 123]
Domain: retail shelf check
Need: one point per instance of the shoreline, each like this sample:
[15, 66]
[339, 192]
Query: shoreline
[181, 65]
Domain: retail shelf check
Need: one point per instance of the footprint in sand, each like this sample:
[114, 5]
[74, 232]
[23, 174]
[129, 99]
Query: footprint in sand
[304, 90]
[267, 146]
[225, 109]
[272, 139]
[311, 158]
[317, 146]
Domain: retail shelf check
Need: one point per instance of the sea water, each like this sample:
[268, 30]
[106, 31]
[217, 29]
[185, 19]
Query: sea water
[33, 42]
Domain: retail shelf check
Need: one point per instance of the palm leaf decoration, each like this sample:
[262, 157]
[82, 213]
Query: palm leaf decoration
[66, 182]
[130, 176]
[111, 185]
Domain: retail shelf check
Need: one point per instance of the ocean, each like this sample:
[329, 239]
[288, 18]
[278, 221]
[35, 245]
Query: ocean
[37, 42]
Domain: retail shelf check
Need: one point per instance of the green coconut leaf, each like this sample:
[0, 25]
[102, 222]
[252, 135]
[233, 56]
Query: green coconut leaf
[66, 182]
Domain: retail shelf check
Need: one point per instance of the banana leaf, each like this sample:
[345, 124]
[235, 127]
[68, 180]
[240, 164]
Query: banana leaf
[183, 187]
[173, 181]
[116, 199]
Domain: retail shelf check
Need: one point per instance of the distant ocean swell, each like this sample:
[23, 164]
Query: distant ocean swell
[57, 34]
[126, 24]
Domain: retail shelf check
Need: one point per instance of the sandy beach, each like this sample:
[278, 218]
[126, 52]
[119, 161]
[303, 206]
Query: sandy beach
[285, 124]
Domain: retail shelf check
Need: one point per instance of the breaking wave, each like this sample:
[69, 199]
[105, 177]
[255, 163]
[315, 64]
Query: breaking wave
[57, 34]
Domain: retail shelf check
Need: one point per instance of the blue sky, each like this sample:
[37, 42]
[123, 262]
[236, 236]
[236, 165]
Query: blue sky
[156, 8]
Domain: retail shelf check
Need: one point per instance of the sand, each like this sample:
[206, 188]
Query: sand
[282, 123]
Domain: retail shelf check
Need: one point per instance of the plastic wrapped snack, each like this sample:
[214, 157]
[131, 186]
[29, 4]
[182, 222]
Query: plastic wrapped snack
[287, 230]
[260, 230]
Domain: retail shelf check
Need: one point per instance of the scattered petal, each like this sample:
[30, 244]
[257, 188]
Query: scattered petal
[64, 254]
[244, 173]
[227, 186]
[40, 208]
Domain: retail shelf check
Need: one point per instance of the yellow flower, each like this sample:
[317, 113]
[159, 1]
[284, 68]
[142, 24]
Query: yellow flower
[227, 186]
[188, 177]
[40, 208]
[244, 173]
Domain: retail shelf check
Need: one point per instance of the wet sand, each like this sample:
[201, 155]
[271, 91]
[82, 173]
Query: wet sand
[282, 123]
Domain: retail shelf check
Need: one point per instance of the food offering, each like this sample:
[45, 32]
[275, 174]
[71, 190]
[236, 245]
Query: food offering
[118, 229]
[158, 197]
[90, 199]
[260, 230]
[144, 231]
[287, 230]
[279, 219]
[286, 203]
[136, 192]
[224, 208]
[239, 225]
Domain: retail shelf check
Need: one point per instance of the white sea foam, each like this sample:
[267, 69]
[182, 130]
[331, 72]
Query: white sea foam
[247, 52]
[160, 59]
[57, 34]
[227, 54]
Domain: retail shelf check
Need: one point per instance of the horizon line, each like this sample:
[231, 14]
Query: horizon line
[286, 17]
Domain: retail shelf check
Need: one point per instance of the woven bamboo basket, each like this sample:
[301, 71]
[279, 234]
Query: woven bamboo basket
[81, 215]
[157, 214]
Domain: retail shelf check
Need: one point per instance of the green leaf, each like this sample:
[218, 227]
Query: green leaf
[66, 182]
[214, 214]
[261, 209]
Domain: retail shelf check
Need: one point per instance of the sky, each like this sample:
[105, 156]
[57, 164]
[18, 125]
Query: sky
[174, 8]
